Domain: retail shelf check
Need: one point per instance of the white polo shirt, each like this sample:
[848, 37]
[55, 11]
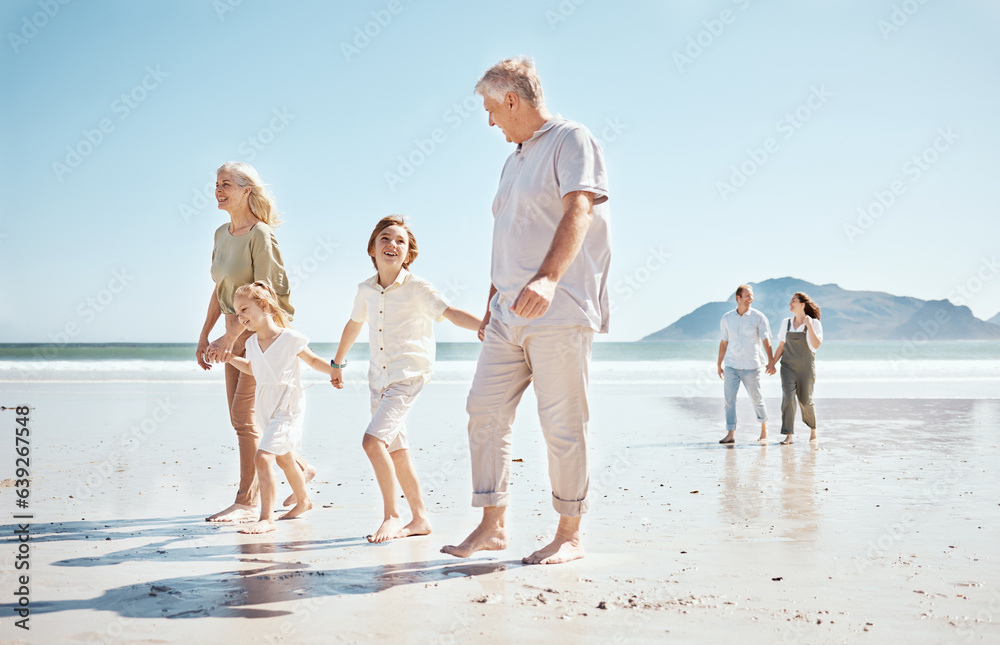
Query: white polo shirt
[561, 157]
[743, 335]
[400, 321]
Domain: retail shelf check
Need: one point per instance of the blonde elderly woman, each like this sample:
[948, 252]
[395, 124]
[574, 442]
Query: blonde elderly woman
[245, 251]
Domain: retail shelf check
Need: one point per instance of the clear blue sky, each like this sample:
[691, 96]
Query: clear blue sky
[116, 244]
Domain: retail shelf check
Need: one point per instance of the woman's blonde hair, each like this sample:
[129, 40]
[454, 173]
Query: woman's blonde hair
[261, 200]
[266, 299]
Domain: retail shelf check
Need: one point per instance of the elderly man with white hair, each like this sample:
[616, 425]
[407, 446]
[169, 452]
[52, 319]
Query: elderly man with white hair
[549, 273]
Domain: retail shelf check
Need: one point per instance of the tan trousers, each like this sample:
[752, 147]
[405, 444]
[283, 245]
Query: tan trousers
[240, 395]
[557, 359]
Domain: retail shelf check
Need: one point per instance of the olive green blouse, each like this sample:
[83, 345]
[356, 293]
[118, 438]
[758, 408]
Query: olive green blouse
[240, 260]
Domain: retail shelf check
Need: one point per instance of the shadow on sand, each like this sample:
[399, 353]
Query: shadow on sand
[238, 593]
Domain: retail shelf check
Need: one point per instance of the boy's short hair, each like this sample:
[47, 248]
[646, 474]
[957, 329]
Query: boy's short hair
[386, 222]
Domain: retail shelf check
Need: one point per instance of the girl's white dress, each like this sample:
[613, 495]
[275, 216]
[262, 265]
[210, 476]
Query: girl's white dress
[279, 400]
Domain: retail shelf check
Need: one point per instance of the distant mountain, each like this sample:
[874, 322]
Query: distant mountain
[995, 319]
[846, 315]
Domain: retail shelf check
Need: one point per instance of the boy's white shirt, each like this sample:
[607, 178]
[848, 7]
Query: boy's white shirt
[400, 321]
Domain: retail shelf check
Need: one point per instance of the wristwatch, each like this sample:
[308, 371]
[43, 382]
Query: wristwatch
[339, 367]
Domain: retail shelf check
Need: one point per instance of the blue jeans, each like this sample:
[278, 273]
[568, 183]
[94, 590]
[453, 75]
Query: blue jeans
[751, 381]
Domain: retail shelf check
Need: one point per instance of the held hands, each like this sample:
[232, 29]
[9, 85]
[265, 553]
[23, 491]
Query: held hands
[770, 369]
[200, 352]
[483, 325]
[337, 377]
[534, 299]
[221, 350]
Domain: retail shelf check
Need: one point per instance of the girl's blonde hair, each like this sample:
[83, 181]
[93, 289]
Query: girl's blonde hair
[266, 299]
[261, 200]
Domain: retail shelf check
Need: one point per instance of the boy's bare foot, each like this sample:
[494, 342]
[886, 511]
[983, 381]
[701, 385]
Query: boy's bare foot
[235, 513]
[787, 441]
[483, 538]
[261, 526]
[729, 438]
[387, 530]
[560, 549]
[308, 475]
[416, 527]
[297, 510]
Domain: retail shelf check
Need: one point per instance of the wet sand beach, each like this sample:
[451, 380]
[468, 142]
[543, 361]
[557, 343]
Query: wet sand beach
[886, 527]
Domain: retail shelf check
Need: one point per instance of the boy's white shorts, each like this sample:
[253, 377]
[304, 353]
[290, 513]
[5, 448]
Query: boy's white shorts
[389, 409]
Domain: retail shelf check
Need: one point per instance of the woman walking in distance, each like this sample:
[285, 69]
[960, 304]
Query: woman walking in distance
[799, 336]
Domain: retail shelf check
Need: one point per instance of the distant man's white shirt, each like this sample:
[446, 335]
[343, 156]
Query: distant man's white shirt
[744, 335]
[560, 158]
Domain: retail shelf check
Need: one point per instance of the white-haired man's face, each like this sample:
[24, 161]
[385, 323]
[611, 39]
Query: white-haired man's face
[501, 114]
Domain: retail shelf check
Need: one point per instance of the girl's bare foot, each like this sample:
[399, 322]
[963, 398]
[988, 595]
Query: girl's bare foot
[387, 530]
[297, 510]
[235, 513]
[763, 432]
[261, 526]
[308, 475]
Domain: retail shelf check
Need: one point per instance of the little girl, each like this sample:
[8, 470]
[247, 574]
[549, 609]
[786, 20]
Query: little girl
[399, 308]
[271, 358]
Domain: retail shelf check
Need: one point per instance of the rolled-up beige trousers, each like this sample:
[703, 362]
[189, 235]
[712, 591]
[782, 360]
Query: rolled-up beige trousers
[557, 360]
[240, 396]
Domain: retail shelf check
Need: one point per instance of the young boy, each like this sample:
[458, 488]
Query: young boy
[399, 308]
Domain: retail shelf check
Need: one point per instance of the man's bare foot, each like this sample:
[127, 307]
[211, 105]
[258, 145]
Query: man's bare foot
[235, 513]
[388, 530]
[415, 527]
[308, 474]
[560, 549]
[261, 526]
[297, 510]
[812, 435]
[486, 537]
[787, 441]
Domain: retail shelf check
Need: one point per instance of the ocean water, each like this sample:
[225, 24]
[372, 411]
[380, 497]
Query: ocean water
[889, 369]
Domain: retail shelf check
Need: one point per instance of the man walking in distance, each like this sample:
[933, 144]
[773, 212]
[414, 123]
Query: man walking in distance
[744, 329]
[549, 272]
